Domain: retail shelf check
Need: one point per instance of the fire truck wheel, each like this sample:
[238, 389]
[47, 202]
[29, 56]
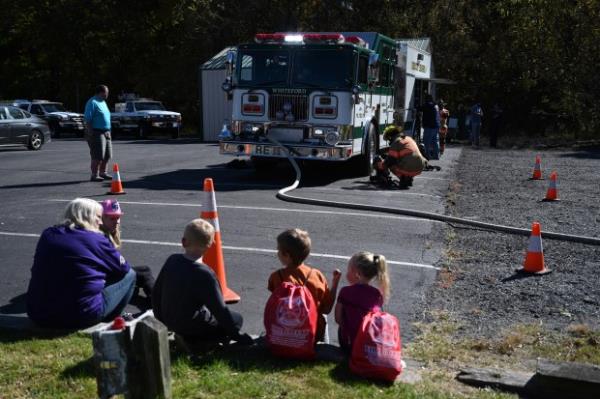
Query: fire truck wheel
[370, 147]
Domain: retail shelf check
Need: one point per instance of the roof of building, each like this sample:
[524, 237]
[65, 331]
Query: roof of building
[420, 43]
[218, 61]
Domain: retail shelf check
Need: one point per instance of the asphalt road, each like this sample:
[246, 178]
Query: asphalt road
[163, 180]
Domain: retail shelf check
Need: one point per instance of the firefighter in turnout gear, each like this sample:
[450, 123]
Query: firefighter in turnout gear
[403, 159]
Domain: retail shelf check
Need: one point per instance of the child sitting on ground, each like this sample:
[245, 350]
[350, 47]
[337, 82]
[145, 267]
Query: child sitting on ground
[293, 247]
[111, 227]
[187, 296]
[359, 298]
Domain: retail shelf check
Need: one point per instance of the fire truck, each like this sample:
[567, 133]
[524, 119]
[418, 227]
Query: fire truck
[324, 96]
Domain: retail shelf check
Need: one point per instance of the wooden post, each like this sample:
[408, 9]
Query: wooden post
[110, 359]
[150, 361]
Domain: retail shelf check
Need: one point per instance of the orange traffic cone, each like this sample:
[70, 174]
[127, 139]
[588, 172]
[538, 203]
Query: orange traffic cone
[116, 188]
[552, 193]
[214, 255]
[537, 169]
[534, 260]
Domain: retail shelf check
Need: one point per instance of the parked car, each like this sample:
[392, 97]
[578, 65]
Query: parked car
[20, 127]
[59, 119]
[143, 116]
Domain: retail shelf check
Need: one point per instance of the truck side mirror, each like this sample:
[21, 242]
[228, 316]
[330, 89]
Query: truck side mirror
[355, 94]
[230, 63]
[227, 87]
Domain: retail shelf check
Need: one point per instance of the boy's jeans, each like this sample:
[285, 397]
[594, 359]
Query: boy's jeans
[431, 143]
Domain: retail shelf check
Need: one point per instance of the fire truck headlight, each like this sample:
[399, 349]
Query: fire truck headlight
[289, 117]
[332, 138]
[287, 107]
[318, 132]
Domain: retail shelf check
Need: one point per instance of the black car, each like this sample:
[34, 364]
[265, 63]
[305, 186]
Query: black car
[20, 127]
[59, 119]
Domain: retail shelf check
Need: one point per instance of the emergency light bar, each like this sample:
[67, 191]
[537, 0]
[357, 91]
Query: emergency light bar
[299, 38]
[323, 37]
[356, 40]
[269, 37]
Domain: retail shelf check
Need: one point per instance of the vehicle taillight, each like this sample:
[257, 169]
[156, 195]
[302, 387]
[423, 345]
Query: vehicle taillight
[253, 104]
[252, 109]
[325, 107]
[324, 111]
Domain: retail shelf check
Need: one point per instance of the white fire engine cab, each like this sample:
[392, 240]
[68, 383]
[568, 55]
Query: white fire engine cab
[325, 96]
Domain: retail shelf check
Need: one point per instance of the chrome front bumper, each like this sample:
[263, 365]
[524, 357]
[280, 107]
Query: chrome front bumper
[298, 151]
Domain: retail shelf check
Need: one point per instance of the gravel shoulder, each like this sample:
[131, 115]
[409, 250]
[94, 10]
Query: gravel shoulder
[478, 285]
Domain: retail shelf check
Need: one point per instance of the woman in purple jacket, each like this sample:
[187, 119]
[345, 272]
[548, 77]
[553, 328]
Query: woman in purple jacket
[78, 277]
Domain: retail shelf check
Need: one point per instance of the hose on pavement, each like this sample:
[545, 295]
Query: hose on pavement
[284, 195]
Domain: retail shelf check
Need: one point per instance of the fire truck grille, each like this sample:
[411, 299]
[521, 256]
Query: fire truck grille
[299, 106]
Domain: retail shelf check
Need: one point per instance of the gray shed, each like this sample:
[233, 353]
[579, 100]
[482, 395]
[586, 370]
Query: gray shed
[214, 105]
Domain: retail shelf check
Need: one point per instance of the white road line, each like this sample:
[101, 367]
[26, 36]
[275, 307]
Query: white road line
[8, 233]
[242, 249]
[262, 208]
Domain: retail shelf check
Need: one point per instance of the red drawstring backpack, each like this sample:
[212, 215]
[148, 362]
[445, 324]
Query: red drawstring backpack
[291, 321]
[377, 349]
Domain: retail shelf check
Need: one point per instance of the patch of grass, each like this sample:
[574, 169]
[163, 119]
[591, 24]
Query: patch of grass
[440, 342]
[45, 366]
[61, 367]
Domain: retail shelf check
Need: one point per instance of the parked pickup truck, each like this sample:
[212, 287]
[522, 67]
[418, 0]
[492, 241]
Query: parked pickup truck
[143, 116]
[54, 113]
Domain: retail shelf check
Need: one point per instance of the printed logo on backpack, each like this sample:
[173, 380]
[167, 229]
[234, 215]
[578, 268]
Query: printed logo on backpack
[377, 349]
[291, 321]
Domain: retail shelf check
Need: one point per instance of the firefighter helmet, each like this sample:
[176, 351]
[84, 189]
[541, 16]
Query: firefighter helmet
[391, 131]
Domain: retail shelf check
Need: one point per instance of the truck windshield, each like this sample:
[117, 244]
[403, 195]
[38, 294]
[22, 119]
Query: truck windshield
[330, 68]
[263, 67]
[149, 106]
[54, 107]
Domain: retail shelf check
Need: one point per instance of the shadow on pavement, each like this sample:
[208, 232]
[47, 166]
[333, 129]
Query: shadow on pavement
[14, 148]
[161, 140]
[15, 305]
[591, 153]
[240, 176]
[49, 184]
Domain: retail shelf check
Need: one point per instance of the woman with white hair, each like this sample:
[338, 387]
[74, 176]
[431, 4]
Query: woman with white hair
[78, 277]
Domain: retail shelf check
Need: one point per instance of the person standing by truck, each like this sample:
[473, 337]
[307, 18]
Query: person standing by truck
[97, 119]
[476, 118]
[431, 125]
[444, 115]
